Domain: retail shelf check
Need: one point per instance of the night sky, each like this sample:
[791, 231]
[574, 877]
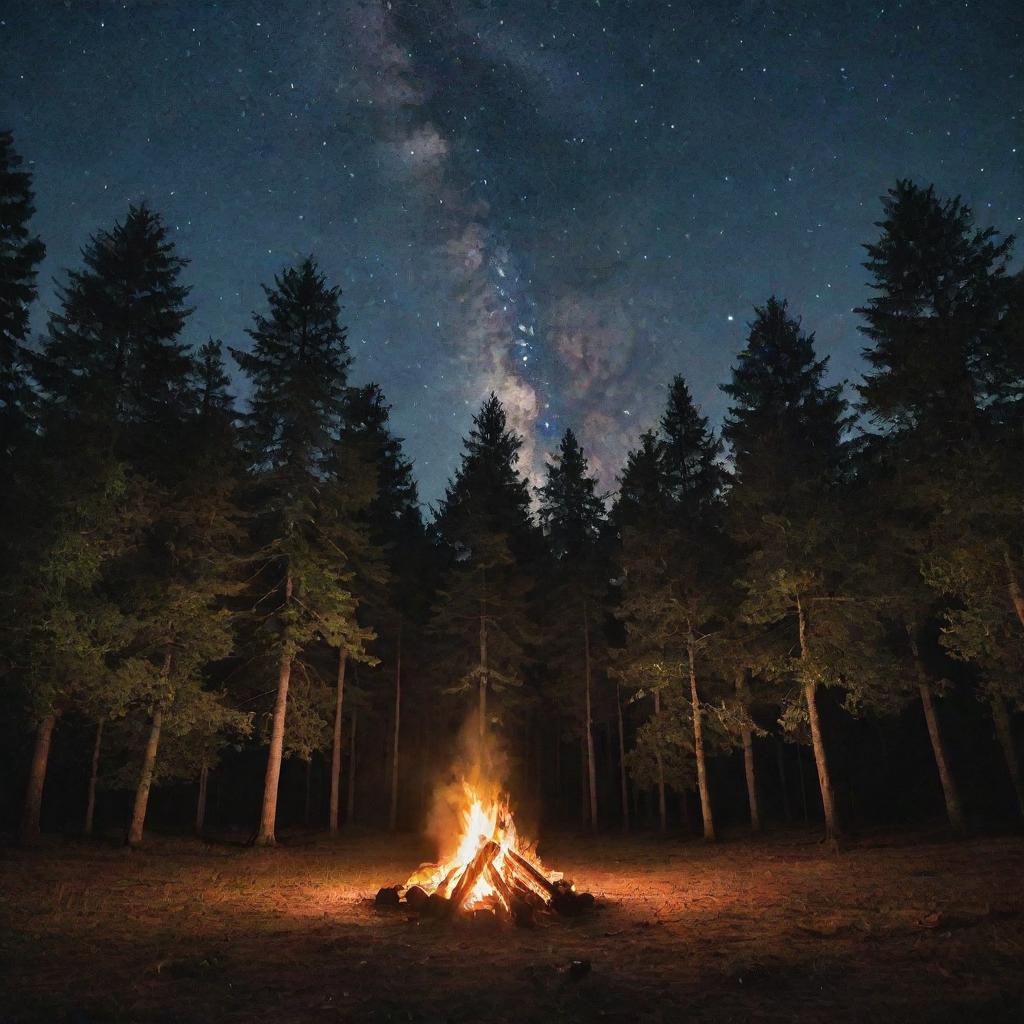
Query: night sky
[568, 202]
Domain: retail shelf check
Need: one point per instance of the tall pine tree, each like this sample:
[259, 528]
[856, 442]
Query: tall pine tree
[944, 393]
[298, 369]
[785, 429]
[572, 517]
[113, 383]
[481, 611]
[20, 255]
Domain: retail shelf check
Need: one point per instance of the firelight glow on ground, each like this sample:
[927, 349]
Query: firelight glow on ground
[901, 928]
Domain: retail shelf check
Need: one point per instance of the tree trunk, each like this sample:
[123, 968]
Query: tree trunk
[482, 710]
[803, 787]
[307, 794]
[743, 693]
[780, 755]
[351, 813]
[1000, 714]
[662, 810]
[622, 762]
[94, 770]
[558, 771]
[204, 783]
[828, 802]
[698, 744]
[146, 778]
[339, 698]
[268, 817]
[29, 831]
[1013, 584]
[949, 791]
[588, 723]
[1004, 730]
[538, 765]
[393, 818]
[584, 805]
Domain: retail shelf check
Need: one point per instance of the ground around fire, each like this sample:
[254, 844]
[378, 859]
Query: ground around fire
[895, 927]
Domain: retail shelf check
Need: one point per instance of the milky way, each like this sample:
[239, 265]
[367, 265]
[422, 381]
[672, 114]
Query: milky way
[567, 202]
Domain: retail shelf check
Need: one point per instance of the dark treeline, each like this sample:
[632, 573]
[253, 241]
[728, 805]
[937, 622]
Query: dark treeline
[238, 614]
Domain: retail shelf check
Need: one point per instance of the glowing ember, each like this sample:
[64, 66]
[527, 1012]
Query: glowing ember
[501, 874]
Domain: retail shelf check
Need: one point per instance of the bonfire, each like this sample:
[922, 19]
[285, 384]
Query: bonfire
[492, 872]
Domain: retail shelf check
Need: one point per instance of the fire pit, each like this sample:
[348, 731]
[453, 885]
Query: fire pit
[493, 874]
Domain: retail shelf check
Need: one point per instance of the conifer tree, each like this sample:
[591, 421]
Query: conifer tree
[571, 516]
[113, 383]
[944, 392]
[298, 369]
[398, 605]
[68, 627]
[895, 556]
[113, 372]
[176, 583]
[785, 430]
[481, 610]
[694, 481]
[640, 516]
[672, 569]
[20, 255]
[942, 290]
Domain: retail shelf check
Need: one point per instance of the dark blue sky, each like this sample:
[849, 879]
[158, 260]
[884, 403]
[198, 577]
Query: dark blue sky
[567, 200]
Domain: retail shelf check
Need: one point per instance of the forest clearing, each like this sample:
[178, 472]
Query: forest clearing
[511, 511]
[896, 927]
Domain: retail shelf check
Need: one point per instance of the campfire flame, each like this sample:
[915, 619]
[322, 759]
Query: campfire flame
[485, 819]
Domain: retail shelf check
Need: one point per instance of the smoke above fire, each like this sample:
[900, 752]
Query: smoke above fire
[479, 765]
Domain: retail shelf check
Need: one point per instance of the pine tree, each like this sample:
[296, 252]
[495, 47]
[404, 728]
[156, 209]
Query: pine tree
[640, 509]
[174, 587]
[20, 492]
[942, 290]
[113, 373]
[572, 518]
[944, 392]
[113, 380]
[694, 480]
[398, 607]
[481, 609]
[20, 255]
[785, 430]
[67, 627]
[672, 559]
[298, 368]
[895, 556]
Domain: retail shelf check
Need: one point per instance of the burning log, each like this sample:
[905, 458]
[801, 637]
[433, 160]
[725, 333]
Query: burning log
[531, 877]
[445, 887]
[562, 894]
[518, 906]
[474, 869]
[491, 874]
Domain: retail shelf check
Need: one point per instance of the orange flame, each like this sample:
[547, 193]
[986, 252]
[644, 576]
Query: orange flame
[480, 818]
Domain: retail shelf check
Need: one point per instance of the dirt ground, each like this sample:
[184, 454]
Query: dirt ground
[895, 928]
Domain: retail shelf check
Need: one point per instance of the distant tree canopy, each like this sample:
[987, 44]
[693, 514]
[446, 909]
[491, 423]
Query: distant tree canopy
[247, 590]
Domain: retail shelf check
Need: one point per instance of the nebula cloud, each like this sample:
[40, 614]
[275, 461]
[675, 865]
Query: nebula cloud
[494, 319]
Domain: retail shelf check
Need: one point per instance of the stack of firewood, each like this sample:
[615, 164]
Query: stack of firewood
[520, 890]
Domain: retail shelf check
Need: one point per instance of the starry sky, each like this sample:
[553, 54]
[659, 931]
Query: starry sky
[568, 201]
